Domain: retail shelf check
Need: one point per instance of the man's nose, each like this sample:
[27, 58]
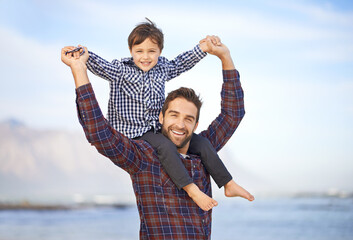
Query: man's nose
[180, 123]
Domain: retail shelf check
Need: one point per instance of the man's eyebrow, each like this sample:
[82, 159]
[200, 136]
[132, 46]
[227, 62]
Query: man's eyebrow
[188, 116]
[172, 111]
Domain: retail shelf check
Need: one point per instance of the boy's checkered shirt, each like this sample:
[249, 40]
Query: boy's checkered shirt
[137, 97]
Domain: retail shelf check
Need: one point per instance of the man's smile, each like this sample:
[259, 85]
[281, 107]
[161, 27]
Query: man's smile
[178, 133]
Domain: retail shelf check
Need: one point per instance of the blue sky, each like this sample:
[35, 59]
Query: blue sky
[295, 59]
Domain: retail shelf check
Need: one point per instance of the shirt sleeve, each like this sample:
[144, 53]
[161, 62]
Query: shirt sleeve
[185, 61]
[123, 152]
[232, 111]
[102, 68]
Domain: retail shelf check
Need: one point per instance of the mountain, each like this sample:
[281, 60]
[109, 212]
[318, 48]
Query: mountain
[53, 165]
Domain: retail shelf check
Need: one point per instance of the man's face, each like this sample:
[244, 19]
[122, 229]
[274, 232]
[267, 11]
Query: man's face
[179, 123]
[145, 54]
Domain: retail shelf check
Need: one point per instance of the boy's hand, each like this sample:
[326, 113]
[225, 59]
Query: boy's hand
[74, 59]
[209, 42]
[213, 45]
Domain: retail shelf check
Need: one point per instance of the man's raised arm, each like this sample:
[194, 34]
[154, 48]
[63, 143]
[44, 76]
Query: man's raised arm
[110, 143]
[232, 104]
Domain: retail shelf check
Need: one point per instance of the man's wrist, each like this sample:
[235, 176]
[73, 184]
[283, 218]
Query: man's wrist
[79, 71]
[227, 61]
[78, 66]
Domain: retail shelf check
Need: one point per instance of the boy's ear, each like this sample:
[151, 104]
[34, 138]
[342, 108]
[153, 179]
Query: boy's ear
[161, 118]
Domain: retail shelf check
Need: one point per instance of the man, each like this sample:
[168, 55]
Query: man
[165, 211]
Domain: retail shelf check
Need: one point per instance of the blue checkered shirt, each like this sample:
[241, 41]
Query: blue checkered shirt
[137, 97]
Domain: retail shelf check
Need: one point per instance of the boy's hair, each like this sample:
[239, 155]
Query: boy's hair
[146, 30]
[186, 93]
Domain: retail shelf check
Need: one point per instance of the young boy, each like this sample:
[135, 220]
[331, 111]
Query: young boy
[136, 98]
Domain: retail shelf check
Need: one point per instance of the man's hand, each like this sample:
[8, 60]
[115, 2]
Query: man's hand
[77, 64]
[74, 59]
[214, 46]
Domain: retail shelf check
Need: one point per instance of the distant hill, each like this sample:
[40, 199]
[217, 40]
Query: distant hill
[42, 165]
[54, 166]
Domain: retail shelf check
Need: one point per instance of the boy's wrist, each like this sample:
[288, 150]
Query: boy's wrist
[199, 51]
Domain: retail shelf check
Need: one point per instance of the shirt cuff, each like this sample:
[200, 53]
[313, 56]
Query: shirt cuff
[84, 92]
[91, 58]
[230, 75]
[198, 52]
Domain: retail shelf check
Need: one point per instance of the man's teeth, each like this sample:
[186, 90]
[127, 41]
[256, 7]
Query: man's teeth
[179, 133]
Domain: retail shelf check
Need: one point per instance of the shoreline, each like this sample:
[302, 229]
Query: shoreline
[54, 207]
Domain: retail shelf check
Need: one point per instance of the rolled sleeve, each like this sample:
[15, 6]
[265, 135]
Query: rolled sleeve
[198, 52]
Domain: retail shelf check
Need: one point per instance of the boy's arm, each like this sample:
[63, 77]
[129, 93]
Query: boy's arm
[185, 61]
[108, 70]
[119, 149]
[188, 60]
[232, 104]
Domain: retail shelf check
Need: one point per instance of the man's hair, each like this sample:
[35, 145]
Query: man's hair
[146, 30]
[186, 93]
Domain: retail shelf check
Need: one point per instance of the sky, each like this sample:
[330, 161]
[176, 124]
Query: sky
[295, 60]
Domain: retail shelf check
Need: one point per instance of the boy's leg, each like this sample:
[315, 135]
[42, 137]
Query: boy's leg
[210, 159]
[170, 160]
[214, 165]
[169, 157]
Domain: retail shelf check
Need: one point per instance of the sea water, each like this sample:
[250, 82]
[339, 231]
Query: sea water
[265, 219]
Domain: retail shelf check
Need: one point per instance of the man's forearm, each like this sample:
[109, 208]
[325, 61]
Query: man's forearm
[79, 72]
[227, 62]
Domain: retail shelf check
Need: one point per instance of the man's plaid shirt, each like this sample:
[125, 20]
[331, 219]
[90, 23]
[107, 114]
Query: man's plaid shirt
[165, 211]
[137, 97]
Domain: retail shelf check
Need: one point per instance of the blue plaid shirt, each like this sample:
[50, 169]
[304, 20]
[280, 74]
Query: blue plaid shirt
[137, 97]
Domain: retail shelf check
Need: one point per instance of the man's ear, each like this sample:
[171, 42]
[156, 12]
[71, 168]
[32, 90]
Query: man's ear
[161, 118]
[196, 126]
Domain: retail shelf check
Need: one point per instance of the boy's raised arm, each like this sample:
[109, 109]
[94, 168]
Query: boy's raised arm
[185, 61]
[102, 68]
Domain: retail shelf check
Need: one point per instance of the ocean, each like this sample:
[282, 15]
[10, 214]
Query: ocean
[326, 218]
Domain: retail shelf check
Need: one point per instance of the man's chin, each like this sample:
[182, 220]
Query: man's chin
[178, 143]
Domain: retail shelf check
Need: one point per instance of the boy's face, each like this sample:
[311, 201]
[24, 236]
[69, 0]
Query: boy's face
[146, 54]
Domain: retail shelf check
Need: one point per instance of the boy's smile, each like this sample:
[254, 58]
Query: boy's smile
[145, 54]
